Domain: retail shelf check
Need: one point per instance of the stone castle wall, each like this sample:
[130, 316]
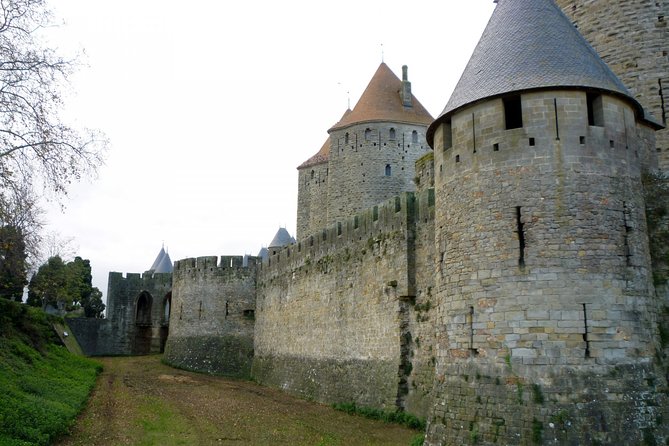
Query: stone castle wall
[546, 310]
[633, 39]
[335, 310]
[213, 313]
[368, 166]
[121, 333]
[312, 199]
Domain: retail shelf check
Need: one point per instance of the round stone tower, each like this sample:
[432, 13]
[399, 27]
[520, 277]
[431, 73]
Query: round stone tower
[633, 39]
[547, 321]
[373, 149]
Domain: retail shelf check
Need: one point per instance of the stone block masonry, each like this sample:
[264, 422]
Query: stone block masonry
[211, 328]
[334, 311]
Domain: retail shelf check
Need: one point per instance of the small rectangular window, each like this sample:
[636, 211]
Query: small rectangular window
[595, 109]
[513, 112]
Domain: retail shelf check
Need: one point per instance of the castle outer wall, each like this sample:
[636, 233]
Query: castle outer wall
[335, 312]
[211, 326]
[137, 320]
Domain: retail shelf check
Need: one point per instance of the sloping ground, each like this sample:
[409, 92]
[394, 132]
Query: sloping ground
[42, 386]
[65, 335]
[140, 401]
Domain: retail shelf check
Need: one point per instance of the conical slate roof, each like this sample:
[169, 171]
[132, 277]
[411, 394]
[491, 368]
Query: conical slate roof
[282, 238]
[530, 44]
[159, 258]
[165, 265]
[381, 101]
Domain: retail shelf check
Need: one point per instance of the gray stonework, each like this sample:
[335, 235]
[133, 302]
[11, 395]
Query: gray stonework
[213, 315]
[137, 317]
[632, 37]
[312, 198]
[368, 166]
[342, 304]
[500, 286]
[545, 279]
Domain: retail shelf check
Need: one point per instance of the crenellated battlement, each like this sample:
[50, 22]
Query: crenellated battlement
[400, 213]
[215, 264]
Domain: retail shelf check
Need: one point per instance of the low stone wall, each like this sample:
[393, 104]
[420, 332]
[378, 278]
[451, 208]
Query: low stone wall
[217, 355]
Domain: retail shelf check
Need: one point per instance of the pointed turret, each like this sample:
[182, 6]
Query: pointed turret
[384, 100]
[159, 258]
[531, 45]
[281, 238]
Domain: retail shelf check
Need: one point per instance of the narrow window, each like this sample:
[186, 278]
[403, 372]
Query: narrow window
[388, 170]
[457, 158]
[338, 228]
[414, 136]
[199, 313]
[532, 142]
[626, 235]
[346, 138]
[471, 332]
[521, 237]
[375, 213]
[392, 134]
[513, 113]
[355, 222]
[495, 147]
[312, 174]
[612, 144]
[595, 109]
[368, 134]
[226, 308]
[585, 332]
[447, 135]
[581, 140]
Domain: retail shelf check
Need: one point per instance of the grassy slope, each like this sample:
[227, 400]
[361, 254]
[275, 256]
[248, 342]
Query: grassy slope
[43, 386]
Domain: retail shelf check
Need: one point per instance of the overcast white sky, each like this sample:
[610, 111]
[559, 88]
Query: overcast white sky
[211, 105]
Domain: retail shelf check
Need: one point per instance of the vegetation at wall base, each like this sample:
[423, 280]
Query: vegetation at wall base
[43, 385]
[397, 417]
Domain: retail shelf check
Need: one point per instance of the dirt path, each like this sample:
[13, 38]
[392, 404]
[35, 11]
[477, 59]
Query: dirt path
[139, 401]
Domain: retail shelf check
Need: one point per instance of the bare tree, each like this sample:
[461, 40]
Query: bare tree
[39, 153]
[36, 147]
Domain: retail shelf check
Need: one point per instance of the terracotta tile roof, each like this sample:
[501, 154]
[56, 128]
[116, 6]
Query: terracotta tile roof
[530, 44]
[321, 157]
[381, 101]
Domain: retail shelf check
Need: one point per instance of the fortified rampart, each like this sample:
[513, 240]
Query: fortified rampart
[137, 317]
[335, 311]
[545, 288]
[211, 327]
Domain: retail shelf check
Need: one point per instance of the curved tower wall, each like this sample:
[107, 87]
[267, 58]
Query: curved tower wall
[358, 178]
[312, 199]
[544, 284]
[633, 39]
[213, 315]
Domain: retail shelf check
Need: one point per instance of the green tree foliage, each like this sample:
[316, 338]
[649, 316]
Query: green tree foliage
[69, 283]
[12, 263]
[48, 285]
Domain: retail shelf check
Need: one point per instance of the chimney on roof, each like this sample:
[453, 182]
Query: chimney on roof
[405, 93]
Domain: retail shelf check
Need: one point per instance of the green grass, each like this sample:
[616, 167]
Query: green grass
[44, 386]
[397, 417]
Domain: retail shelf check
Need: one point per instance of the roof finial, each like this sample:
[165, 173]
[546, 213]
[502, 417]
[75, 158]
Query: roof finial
[381, 52]
[348, 97]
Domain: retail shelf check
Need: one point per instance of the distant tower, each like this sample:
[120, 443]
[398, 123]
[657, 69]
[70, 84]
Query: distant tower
[544, 284]
[632, 36]
[312, 192]
[371, 154]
